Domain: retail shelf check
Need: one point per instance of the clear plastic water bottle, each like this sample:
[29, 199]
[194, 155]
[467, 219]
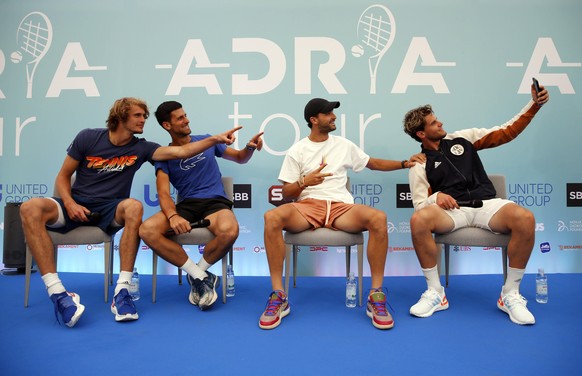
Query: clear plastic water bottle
[541, 287]
[229, 281]
[134, 286]
[351, 291]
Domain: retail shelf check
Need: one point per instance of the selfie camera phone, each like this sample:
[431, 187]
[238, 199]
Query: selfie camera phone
[536, 85]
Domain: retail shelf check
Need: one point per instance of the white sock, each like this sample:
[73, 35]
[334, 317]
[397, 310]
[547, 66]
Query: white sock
[53, 283]
[203, 264]
[123, 281]
[194, 270]
[433, 279]
[514, 277]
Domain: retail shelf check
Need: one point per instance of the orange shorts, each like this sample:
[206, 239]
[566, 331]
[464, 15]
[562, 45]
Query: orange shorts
[321, 213]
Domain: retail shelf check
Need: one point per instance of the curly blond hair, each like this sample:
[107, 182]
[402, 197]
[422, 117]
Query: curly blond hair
[119, 112]
[414, 120]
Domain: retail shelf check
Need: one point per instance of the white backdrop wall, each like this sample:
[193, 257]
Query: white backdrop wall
[256, 63]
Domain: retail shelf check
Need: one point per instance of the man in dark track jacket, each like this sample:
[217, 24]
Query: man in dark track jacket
[453, 172]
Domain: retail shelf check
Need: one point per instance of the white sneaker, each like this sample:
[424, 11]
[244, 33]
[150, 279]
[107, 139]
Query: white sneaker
[430, 302]
[514, 305]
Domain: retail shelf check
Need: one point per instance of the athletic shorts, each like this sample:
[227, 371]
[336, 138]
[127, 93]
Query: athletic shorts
[321, 213]
[195, 209]
[107, 210]
[477, 217]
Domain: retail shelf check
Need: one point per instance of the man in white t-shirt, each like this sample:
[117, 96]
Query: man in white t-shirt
[314, 176]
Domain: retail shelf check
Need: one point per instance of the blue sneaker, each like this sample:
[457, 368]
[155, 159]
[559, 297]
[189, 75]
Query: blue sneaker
[207, 291]
[123, 307]
[68, 305]
[194, 296]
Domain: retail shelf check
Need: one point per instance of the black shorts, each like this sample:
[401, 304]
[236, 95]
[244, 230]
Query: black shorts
[195, 209]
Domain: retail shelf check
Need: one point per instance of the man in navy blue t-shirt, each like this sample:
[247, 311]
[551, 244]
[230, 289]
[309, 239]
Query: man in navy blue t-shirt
[104, 162]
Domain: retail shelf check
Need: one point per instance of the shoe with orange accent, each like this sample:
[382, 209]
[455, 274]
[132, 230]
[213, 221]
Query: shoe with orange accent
[430, 302]
[514, 305]
[377, 311]
[277, 307]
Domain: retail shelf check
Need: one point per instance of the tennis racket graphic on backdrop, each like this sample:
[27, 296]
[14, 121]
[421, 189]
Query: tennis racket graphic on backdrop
[33, 37]
[376, 31]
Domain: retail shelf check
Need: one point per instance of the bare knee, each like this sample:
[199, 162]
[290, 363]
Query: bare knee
[273, 221]
[420, 222]
[378, 222]
[31, 211]
[525, 221]
[148, 231]
[228, 234]
[132, 212]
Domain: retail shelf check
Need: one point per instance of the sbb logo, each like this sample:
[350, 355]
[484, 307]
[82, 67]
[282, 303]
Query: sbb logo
[276, 195]
[403, 196]
[242, 196]
[574, 194]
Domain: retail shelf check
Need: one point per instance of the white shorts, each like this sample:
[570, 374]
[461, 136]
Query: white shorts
[477, 217]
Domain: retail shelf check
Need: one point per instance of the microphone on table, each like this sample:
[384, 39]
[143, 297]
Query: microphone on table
[197, 224]
[471, 203]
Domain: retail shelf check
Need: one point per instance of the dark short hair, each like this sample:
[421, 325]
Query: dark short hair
[414, 120]
[164, 111]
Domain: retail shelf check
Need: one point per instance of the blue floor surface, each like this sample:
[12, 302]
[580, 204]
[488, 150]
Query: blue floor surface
[320, 336]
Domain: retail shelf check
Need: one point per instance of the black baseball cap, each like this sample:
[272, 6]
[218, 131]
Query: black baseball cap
[318, 106]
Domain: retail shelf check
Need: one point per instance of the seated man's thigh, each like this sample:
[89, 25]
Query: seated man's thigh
[360, 218]
[222, 220]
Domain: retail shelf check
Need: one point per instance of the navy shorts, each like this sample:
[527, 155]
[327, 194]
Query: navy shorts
[105, 208]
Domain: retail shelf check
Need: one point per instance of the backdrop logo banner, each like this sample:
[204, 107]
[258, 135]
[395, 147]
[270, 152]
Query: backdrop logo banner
[242, 196]
[276, 195]
[574, 194]
[367, 194]
[403, 196]
[60, 72]
[531, 194]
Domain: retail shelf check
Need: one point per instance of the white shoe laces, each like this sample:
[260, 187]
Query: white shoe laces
[431, 296]
[514, 299]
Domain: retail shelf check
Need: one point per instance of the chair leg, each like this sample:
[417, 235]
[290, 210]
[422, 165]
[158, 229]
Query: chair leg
[28, 267]
[504, 258]
[180, 276]
[107, 256]
[111, 252]
[348, 250]
[360, 270]
[288, 250]
[447, 249]
[154, 275]
[224, 281]
[295, 252]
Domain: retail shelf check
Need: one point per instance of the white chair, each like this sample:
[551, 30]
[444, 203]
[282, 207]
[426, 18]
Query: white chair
[324, 237]
[79, 236]
[477, 237]
[197, 236]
